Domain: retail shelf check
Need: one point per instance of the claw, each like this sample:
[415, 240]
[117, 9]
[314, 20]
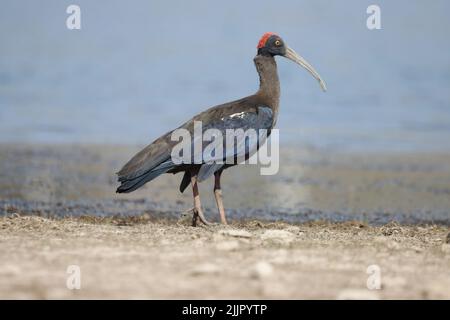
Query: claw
[202, 218]
[196, 215]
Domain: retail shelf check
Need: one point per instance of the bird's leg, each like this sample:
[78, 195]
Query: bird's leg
[218, 196]
[198, 212]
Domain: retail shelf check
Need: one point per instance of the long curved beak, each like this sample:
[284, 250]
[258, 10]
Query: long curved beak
[294, 56]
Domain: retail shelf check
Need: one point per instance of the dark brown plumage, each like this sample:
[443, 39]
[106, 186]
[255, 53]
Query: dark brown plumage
[258, 111]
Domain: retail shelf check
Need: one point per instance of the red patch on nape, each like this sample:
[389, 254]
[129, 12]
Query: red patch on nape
[264, 38]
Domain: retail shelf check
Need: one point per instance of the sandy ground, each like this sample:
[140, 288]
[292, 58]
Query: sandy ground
[140, 257]
[293, 235]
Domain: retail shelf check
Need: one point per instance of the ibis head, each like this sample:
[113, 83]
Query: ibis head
[271, 44]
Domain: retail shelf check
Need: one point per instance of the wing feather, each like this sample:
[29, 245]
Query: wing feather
[155, 159]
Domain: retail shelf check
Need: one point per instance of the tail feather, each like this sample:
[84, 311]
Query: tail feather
[130, 184]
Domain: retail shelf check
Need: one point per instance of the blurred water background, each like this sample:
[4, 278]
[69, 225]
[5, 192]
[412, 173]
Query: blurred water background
[138, 69]
[75, 105]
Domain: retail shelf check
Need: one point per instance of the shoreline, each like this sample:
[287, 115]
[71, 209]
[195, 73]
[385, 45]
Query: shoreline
[311, 185]
[134, 208]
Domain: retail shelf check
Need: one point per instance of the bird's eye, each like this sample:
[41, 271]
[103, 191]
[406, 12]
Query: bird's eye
[278, 43]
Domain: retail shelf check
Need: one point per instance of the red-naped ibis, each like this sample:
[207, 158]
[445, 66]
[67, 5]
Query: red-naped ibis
[258, 111]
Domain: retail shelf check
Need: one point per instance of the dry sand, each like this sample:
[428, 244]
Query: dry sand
[144, 257]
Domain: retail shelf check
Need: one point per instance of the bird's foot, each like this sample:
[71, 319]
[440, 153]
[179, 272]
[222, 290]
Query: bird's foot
[197, 215]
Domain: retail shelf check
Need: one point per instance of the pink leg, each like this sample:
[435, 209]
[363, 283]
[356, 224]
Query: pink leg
[198, 212]
[218, 196]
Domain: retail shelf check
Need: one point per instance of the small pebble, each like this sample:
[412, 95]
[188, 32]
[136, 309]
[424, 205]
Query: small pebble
[204, 269]
[262, 270]
[227, 245]
[236, 233]
[278, 235]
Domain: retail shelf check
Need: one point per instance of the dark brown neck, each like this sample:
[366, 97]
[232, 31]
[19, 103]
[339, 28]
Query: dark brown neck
[269, 84]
